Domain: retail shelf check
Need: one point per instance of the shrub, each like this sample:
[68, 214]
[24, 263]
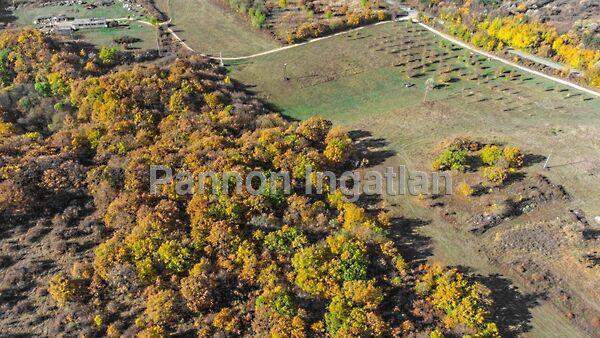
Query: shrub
[495, 174]
[112, 331]
[33, 135]
[399, 263]
[436, 334]
[452, 158]
[301, 164]
[278, 300]
[314, 129]
[246, 258]
[98, 321]
[465, 143]
[108, 55]
[465, 190]
[444, 78]
[257, 17]
[146, 269]
[350, 313]
[310, 266]
[197, 288]
[338, 146]
[227, 320]
[462, 302]
[513, 156]
[24, 103]
[353, 19]
[58, 83]
[6, 128]
[286, 240]
[107, 255]
[61, 289]
[152, 331]
[43, 88]
[320, 269]
[175, 257]
[353, 258]
[490, 154]
[212, 100]
[161, 308]
[177, 102]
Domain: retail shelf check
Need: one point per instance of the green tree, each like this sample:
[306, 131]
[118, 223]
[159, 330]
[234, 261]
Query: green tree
[43, 88]
[257, 17]
[176, 257]
[108, 55]
[351, 312]
[453, 158]
[154, 22]
[285, 240]
[490, 154]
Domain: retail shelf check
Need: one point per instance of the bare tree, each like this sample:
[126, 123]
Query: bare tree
[428, 87]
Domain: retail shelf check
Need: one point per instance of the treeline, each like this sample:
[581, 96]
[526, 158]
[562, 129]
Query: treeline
[223, 264]
[329, 20]
[350, 20]
[520, 32]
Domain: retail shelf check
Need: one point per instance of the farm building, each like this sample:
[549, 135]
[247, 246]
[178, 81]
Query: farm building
[77, 24]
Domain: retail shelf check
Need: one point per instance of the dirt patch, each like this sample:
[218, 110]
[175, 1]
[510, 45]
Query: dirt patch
[532, 230]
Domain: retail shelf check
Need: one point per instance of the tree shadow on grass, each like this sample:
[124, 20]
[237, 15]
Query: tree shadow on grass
[371, 148]
[531, 159]
[414, 247]
[591, 234]
[6, 16]
[592, 260]
[511, 309]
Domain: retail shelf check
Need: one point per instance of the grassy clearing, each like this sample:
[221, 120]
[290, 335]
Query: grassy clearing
[208, 29]
[360, 80]
[105, 36]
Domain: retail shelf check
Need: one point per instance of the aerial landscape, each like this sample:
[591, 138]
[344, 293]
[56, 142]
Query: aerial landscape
[300, 168]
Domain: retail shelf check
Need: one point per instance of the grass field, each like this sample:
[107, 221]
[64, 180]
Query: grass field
[99, 37]
[208, 30]
[360, 80]
[105, 36]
